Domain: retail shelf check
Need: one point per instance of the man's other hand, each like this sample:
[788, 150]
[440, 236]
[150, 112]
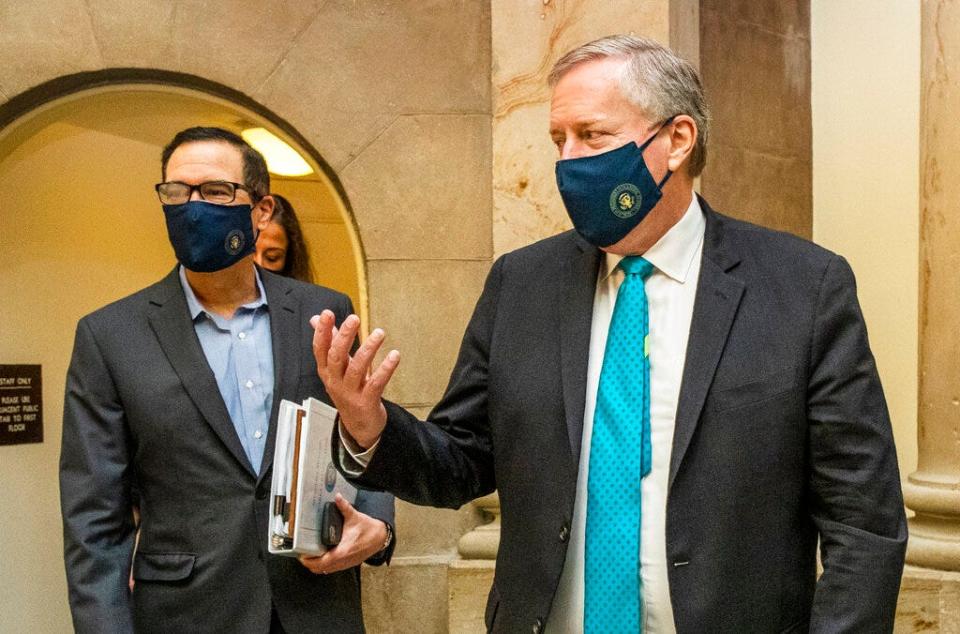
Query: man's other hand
[356, 392]
[363, 537]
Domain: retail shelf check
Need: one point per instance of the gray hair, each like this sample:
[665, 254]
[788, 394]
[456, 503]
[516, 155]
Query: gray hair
[661, 83]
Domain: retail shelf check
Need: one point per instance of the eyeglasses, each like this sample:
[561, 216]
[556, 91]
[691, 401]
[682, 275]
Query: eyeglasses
[220, 192]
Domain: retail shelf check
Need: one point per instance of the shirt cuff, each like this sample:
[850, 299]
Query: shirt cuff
[353, 457]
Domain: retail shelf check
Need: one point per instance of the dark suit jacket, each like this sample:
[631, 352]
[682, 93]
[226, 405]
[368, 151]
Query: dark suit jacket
[142, 404]
[782, 436]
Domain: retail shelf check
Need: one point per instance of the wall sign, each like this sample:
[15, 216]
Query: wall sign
[21, 404]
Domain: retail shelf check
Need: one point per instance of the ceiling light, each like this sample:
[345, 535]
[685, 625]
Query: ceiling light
[282, 159]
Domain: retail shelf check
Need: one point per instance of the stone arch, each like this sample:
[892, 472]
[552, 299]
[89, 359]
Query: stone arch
[54, 90]
[395, 98]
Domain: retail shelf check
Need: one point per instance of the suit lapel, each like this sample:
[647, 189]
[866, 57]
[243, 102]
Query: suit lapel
[715, 306]
[578, 287]
[287, 348]
[171, 323]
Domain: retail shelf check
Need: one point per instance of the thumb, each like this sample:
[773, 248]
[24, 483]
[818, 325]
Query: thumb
[345, 507]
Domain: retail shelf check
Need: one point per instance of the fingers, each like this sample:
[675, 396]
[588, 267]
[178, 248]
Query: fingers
[363, 537]
[322, 336]
[312, 563]
[381, 376]
[338, 354]
[354, 391]
[359, 366]
[326, 563]
[336, 559]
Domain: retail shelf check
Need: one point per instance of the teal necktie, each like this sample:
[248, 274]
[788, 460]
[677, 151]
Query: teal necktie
[620, 456]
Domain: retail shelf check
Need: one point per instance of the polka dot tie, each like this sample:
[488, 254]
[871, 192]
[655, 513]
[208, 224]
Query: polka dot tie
[620, 456]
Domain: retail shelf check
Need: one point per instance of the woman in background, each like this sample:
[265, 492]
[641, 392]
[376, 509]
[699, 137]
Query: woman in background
[281, 247]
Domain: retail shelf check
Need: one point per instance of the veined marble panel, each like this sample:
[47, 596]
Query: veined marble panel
[528, 37]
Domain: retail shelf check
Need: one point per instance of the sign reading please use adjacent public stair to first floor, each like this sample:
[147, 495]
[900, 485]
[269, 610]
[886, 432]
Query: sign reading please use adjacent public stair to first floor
[21, 404]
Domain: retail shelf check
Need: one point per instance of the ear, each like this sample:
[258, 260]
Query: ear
[683, 136]
[263, 212]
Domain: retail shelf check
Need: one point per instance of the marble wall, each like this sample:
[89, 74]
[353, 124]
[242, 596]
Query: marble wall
[755, 64]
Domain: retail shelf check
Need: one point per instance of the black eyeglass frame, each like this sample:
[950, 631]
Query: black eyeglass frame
[199, 189]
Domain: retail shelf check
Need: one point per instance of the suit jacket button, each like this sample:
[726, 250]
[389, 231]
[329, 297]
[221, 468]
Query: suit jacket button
[564, 533]
[537, 626]
[262, 494]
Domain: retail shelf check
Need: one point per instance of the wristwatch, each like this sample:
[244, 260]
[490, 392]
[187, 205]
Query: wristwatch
[388, 540]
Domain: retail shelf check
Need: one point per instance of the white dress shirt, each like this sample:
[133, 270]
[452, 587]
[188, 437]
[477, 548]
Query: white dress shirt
[671, 290]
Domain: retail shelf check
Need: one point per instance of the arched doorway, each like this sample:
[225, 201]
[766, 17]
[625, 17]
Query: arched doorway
[80, 226]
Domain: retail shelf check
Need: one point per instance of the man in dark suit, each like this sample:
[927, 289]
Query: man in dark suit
[664, 380]
[174, 390]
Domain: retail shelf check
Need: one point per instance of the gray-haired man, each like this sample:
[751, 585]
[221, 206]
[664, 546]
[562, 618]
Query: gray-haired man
[674, 405]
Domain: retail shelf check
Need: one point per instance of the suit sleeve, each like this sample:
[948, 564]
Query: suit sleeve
[377, 504]
[447, 461]
[854, 481]
[98, 531]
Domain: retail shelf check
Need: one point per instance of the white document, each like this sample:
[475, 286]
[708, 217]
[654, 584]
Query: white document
[304, 478]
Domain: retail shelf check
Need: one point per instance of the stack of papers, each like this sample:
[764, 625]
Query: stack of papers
[304, 477]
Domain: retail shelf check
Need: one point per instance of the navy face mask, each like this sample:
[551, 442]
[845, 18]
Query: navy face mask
[207, 237]
[607, 195]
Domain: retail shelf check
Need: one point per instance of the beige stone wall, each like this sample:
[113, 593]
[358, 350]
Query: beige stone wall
[395, 96]
[755, 64]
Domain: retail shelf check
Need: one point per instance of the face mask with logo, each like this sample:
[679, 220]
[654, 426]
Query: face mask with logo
[607, 195]
[207, 237]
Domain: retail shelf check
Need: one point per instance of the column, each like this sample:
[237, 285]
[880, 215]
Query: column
[930, 594]
[933, 490]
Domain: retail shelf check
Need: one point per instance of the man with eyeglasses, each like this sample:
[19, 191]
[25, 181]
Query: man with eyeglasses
[172, 392]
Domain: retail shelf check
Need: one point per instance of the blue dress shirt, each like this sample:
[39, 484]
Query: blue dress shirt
[240, 353]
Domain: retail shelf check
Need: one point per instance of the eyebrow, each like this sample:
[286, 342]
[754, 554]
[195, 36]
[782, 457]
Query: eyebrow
[584, 123]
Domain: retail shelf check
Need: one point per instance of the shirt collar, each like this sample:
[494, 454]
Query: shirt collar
[196, 308]
[675, 251]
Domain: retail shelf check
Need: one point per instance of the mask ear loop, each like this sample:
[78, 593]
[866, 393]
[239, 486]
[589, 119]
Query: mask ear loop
[256, 232]
[643, 147]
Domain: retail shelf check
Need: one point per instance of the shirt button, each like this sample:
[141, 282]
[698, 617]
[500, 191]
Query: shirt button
[249, 385]
[257, 434]
[242, 335]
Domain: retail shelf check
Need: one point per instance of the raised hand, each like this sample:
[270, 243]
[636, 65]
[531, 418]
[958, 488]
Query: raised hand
[356, 392]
